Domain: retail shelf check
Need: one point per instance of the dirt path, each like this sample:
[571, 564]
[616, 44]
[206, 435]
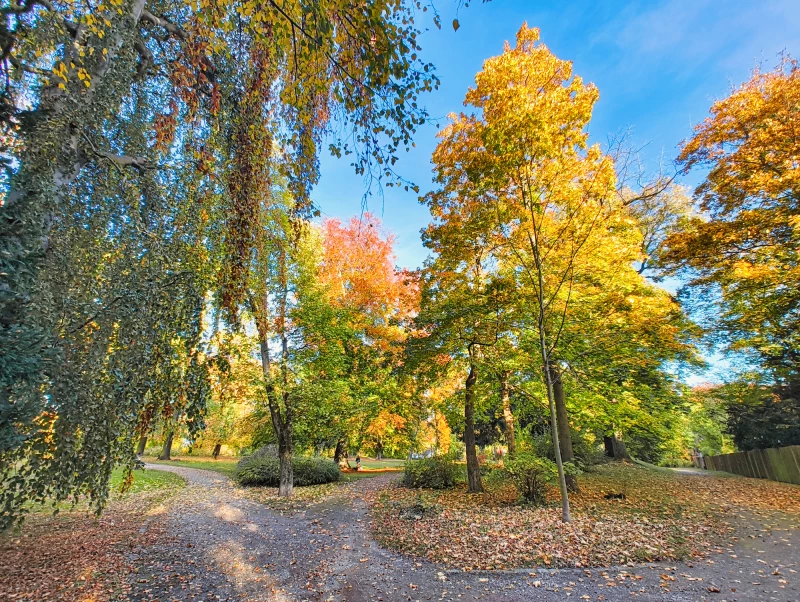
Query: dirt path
[224, 546]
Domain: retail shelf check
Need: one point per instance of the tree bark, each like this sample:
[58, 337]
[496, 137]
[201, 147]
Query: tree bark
[562, 477]
[280, 413]
[217, 449]
[564, 432]
[338, 452]
[141, 446]
[379, 450]
[166, 451]
[473, 468]
[286, 485]
[508, 416]
[615, 448]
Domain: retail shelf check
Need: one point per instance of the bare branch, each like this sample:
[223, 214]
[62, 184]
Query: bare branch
[173, 29]
[28, 68]
[139, 163]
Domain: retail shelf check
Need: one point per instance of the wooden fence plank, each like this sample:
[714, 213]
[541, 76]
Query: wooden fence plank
[776, 464]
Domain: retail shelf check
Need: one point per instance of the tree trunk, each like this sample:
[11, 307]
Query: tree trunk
[615, 448]
[473, 468]
[339, 451]
[508, 416]
[564, 432]
[166, 452]
[379, 450]
[562, 477]
[141, 446]
[217, 449]
[286, 485]
[281, 421]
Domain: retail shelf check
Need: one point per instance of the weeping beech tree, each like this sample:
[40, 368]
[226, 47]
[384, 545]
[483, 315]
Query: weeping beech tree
[116, 118]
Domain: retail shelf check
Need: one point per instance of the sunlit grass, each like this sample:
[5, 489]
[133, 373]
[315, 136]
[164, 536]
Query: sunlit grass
[385, 463]
[144, 480]
[222, 465]
[149, 483]
[227, 465]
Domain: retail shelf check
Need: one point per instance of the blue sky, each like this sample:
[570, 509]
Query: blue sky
[658, 65]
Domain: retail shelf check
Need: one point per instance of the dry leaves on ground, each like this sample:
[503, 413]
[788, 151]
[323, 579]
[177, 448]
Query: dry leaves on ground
[663, 516]
[75, 556]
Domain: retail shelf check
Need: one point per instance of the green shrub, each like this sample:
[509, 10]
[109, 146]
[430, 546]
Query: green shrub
[265, 470]
[436, 472]
[531, 475]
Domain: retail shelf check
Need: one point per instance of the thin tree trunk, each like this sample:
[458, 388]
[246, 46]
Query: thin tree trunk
[473, 468]
[281, 423]
[544, 350]
[562, 480]
[217, 449]
[508, 416]
[166, 451]
[280, 413]
[564, 432]
[141, 446]
[285, 444]
[545, 354]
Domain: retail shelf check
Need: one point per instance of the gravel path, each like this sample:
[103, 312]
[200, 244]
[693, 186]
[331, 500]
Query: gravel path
[224, 546]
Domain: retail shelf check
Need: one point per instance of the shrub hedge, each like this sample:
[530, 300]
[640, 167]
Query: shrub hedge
[436, 472]
[264, 470]
[531, 474]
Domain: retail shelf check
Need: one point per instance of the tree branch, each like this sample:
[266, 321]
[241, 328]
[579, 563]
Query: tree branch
[173, 29]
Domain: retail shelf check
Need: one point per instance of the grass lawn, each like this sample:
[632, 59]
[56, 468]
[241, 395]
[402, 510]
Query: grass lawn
[149, 485]
[665, 516]
[223, 465]
[364, 474]
[227, 466]
[373, 463]
[145, 480]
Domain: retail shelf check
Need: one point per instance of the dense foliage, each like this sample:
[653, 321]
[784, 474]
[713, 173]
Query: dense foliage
[534, 283]
[436, 472]
[741, 254]
[139, 143]
[264, 470]
[531, 475]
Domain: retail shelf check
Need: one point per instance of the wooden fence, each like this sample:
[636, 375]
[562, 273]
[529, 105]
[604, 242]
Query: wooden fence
[776, 464]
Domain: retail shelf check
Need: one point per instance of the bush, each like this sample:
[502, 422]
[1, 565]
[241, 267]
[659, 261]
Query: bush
[436, 472]
[530, 475]
[265, 470]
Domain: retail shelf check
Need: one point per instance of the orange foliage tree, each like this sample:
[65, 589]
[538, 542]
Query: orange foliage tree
[742, 256]
[377, 300]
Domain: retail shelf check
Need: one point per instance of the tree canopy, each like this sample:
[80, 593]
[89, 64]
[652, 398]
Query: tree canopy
[164, 269]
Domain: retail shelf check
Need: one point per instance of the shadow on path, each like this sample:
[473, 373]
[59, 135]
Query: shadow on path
[224, 546]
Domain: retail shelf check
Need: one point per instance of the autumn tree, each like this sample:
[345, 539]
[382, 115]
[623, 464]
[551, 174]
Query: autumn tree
[658, 214]
[522, 169]
[236, 381]
[377, 301]
[741, 254]
[460, 316]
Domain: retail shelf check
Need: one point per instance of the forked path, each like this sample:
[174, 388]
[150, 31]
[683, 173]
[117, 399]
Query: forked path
[221, 545]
